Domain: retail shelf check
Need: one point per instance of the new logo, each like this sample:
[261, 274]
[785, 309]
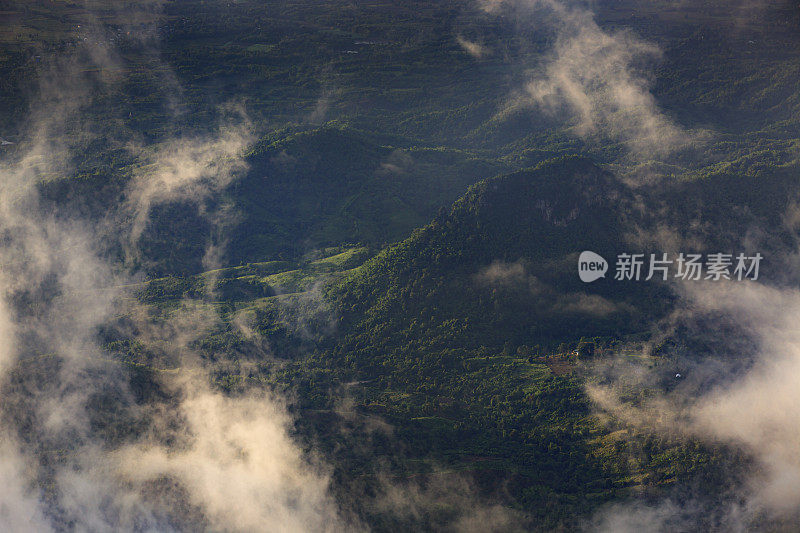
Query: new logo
[591, 266]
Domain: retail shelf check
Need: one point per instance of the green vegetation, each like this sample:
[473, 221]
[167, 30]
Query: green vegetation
[404, 246]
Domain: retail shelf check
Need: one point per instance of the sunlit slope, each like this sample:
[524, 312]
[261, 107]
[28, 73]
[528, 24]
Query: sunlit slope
[501, 266]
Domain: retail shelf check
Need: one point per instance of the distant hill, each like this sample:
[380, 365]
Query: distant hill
[501, 265]
[334, 185]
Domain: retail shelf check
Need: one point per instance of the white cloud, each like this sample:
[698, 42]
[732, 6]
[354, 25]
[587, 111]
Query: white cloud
[473, 48]
[596, 79]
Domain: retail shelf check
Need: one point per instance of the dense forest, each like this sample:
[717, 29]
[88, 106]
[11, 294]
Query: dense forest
[323, 255]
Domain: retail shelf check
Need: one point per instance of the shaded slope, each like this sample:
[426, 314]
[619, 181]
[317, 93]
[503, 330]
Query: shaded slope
[331, 185]
[501, 267]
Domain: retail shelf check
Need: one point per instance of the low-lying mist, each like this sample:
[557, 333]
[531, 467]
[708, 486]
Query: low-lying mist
[735, 350]
[91, 441]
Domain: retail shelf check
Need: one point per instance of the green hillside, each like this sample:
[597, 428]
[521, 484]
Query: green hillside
[347, 234]
[462, 338]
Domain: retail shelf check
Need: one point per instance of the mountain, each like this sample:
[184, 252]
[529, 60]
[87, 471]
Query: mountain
[314, 265]
[328, 186]
[501, 265]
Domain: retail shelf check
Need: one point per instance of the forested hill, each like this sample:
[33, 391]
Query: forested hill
[463, 338]
[372, 212]
[335, 184]
[500, 267]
